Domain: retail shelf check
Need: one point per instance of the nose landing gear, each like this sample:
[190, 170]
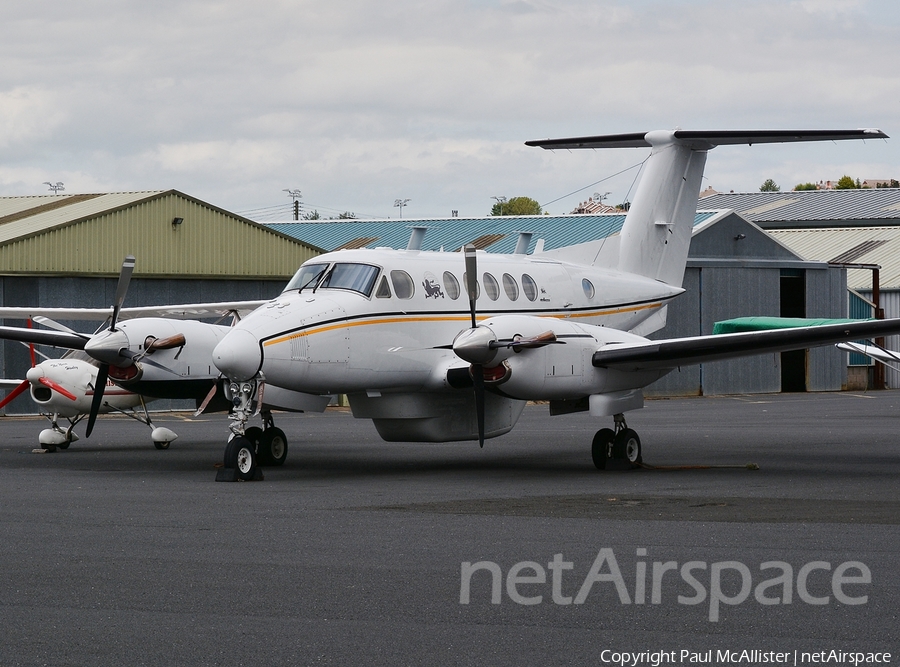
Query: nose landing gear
[250, 448]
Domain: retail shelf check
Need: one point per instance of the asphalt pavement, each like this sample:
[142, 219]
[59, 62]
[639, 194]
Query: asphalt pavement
[361, 552]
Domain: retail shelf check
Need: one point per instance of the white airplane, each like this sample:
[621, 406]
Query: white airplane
[567, 325]
[145, 353]
[459, 363]
[65, 388]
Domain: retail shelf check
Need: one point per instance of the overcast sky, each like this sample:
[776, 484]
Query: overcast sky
[359, 103]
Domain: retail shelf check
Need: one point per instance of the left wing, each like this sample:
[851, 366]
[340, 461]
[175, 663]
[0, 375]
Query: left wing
[185, 311]
[674, 352]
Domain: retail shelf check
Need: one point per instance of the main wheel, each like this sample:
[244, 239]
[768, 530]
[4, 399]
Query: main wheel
[627, 446]
[161, 444]
[241, 455]
[273, 447]
[600, 447]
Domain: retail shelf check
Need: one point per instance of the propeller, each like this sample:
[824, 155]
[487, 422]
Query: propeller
[477, 369]
[103, 371]
[14, 394]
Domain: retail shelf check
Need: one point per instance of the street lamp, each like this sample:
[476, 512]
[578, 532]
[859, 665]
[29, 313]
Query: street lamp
[55, 187]
[501, 201]
[400, 203]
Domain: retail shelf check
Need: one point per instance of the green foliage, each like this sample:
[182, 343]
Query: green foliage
[806, 186]
[347, 215]
[517, 206]
[893, 184]
[846, 183]
[311, 215]
[769, 186]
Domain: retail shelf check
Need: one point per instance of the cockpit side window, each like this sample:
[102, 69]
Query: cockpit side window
[356, 277]
[306, 277]
[384, 290]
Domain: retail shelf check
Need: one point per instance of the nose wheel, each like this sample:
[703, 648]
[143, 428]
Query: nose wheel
[619, 448]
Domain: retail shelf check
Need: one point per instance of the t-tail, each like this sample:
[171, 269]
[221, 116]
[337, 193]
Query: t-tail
[656, 235]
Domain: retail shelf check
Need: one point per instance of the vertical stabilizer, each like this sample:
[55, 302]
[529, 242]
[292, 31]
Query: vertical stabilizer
[656, 236]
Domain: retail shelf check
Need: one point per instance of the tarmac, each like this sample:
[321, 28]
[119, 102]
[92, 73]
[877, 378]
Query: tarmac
[361, 552]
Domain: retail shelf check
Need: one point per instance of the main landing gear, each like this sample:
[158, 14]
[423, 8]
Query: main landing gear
[620, 448]
[250, 448]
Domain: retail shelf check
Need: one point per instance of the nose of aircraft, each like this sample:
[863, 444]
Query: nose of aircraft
[238, 355]
[34, 374]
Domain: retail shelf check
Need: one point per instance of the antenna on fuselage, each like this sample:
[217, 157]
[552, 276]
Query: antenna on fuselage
[416, 237]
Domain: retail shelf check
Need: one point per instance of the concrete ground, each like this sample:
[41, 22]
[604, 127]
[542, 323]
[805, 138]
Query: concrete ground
[354, 552]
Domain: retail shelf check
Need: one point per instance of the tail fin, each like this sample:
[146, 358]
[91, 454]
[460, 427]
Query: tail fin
[656, 235]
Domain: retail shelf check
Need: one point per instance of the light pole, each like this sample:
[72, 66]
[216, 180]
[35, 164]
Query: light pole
[501, 201]
[400, 203]
[295, 195]
[55, 187]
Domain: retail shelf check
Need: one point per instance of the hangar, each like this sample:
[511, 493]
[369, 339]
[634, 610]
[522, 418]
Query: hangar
[67, 250]
[734, 269]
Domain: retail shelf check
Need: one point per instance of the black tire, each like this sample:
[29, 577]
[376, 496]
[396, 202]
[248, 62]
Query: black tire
[627, 447]
[161, 445]
[240, 454]
[600, 447]
[254, 435]
[273, 447]
[64, 445]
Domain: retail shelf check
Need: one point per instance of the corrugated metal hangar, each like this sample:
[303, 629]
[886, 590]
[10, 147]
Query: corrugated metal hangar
[67, 250]
[860, 227]
[734, 269]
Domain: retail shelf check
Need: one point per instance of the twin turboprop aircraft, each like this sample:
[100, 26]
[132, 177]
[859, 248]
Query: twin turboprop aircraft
[442, 346]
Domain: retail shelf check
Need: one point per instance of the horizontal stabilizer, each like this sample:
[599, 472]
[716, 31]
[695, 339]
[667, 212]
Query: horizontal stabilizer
[706, 138]
[677, 352]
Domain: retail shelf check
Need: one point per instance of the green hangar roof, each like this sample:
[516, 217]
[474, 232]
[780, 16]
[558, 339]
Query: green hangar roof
[171, 235]
[493, 234]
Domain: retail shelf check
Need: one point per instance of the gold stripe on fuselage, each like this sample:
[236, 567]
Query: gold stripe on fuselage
[447, 318]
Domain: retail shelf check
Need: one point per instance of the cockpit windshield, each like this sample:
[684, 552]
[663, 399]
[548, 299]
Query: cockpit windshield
[356, 277]
[306, 277]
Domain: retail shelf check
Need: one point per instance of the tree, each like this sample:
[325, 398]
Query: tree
[769, 186]
[846, 183]
[892, 184]
[517, 206]
[805, 186]
[312, 215]
[347, 215]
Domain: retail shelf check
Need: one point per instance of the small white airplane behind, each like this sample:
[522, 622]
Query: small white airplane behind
[885, 356]
[65, 388]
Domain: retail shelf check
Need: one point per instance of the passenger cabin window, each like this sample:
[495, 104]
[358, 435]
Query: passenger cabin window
[511, 287]
[356, 277]
[588, 288]
[306, 277]
[404, 287]
[384, 290]
[491, 287]
[529, 287]
[451, 285]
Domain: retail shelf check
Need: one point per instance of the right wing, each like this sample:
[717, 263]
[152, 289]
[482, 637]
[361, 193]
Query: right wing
[675, 352]
[187, 311]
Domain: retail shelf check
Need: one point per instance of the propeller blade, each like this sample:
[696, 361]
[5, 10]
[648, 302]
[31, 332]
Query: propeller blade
[471, 279]
[99, 387]
[209, 397]
[125, 353]
[14, 394]
[478, 383]
[57, 388]
[167, 343]
[546, 338]
[53, 324]
[122, 289]
[31, 348]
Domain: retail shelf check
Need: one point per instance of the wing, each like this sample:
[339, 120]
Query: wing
[185, 311]
[677, 352]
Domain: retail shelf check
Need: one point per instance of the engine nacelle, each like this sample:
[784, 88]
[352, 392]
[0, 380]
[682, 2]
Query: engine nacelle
[559, 370]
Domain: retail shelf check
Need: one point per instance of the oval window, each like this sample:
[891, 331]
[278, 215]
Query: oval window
[491, 287]
[451, 284]
[403, 284]
[511, 287]
[529, 287]
[588, 288]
